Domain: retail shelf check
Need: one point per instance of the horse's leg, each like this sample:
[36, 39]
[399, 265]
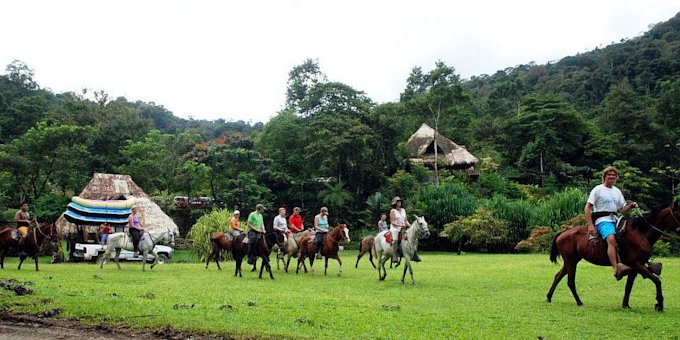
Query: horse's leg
[21, 260]
[238, 264]
[558, 277]
[370, 257]
[35, 257]
[644, 271]
[269, 269]
[217, 260]
[145, 253]
[406, 266]
[264, 262]
[337, 257]
[288, 262]
[629, 288]
[326, 266]
[358, 258]
[155, 259]
[212, 253]
[117, 258]
[571, 279]
[2, 259]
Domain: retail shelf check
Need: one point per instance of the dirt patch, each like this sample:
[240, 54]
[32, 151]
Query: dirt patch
[31, 327]
[18, 287]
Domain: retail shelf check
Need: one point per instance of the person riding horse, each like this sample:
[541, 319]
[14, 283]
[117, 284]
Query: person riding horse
[255, 230]
[295, 221]
[135, 230]
[23, 221]
[281, 229]
[604, 201]
[398, 222]
[234, 228]
[321, 226]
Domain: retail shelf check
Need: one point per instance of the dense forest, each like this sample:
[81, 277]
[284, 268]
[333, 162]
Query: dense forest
[540, 132]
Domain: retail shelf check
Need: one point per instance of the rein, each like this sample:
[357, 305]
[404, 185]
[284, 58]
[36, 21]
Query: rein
[663, 232]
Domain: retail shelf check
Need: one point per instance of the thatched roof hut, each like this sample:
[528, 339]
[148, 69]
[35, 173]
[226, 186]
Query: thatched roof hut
[421, 147]
[113, 187]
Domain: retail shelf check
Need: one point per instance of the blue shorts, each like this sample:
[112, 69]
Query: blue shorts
[606, 228]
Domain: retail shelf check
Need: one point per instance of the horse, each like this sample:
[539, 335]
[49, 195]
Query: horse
[264, 247]
[218, 242]
[408, 247]
[366, 246]
[329, 248]
[291, 249]
[31, 245]
[635, 249]
[149, 239]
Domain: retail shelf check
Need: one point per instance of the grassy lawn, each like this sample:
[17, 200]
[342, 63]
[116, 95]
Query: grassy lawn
[468, 296]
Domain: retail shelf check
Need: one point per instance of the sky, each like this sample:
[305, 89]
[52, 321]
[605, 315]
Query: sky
[230, 60]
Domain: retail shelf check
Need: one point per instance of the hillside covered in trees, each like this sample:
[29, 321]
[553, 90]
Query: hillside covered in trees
[540, 131]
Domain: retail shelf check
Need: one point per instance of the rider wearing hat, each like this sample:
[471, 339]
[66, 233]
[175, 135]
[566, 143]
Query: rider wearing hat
[398, 222]
[234, 228]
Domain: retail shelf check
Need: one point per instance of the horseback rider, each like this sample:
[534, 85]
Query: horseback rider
[399, 222]
[255, 229]
[382, 224]
[281, 228]
[604, 202]
[295, 221]
[321, 226]
[234, 228]
[135, 230]
[23, 221]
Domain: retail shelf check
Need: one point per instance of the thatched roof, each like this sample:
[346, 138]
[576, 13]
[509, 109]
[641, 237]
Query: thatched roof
[421, 147]
[112, 187]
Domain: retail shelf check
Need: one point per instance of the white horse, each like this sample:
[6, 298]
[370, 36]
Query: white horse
[409, 246]
[291, 248]
[149, 239]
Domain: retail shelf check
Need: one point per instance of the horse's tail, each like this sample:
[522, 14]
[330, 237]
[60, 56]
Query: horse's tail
[553, 249]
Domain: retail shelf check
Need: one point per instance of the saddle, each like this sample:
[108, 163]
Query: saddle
[621, 223]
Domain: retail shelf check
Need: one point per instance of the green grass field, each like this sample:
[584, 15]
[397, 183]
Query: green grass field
[468, 296]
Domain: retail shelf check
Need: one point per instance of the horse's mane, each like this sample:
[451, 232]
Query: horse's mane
[643, 222]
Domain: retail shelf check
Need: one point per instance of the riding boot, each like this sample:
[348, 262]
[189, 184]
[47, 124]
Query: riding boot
[251, 252]
[415, 257]
[318, 252]
[621, 271]
[395, 251]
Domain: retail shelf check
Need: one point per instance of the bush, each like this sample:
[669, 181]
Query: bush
[661, 249]
[519, 214]
[212, 222]
[444, 204]
[49, 207]
[490, 184]
[538, 241]
[560, 207]
[482, 230]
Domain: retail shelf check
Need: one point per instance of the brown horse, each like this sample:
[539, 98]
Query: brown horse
[264, 247]
[329, 248]
[218, 243]
[292, 248]
[635, 249]
[366, 246]
[31, 245]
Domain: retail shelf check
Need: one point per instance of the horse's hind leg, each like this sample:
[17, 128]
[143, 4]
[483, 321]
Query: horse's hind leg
[644, 271]
[370, 258]
[35, 257]
[2, 259]
[117, 258]
[21, 260]
[325, 269]
[629, 287]
[337, 257]
[558, 277]
[571, 281]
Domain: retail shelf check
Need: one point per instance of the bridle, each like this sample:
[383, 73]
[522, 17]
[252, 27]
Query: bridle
[342, 235]
[663, 232]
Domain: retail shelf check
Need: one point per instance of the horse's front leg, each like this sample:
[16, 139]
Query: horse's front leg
[264, 262]
[629, 288]
[326, 266]
[117, 258]
[406, 268]
[644, 271]
[35, 257]
[155, 259]
[145, 253]
[2, 259]
[21, 260]
[269, 269]
[288, 262]
[337, 257]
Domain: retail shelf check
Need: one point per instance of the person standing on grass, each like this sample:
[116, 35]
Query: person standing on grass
[604, 201]
[255, 230]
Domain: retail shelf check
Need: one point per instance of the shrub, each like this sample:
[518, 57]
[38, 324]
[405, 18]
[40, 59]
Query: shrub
[661, 249]
[481, 229]
[519, 214]
[538, 241]
[212, 222]
[444, 204]
[560, 207]
[490, 184]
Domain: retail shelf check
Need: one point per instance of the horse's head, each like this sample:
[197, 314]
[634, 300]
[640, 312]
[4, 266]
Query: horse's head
[170, 237]
[674, 212]
[344, 231]
[421, 225]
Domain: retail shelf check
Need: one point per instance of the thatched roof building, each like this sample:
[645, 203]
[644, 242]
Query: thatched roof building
[114, 187]
[421, 147]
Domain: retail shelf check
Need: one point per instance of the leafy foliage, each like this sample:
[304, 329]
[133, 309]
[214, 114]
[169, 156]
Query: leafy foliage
[445, 204]
[212, 222]
[481, 229]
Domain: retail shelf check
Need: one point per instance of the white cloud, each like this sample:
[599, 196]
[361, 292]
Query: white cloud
[215, 59]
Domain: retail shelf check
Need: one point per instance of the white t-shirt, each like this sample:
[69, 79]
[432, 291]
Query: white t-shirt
[280, 223]
[606, 199]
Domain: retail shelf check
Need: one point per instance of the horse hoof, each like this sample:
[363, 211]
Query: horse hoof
[625, 307]
[658, 307]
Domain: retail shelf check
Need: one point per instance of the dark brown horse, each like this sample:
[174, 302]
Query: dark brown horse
[366, 246]
[218, 243]
[329, 248]
[264, 247]
[31, 245]
[635, 249]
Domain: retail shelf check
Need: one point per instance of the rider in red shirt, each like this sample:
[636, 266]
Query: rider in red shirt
[295, 221]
